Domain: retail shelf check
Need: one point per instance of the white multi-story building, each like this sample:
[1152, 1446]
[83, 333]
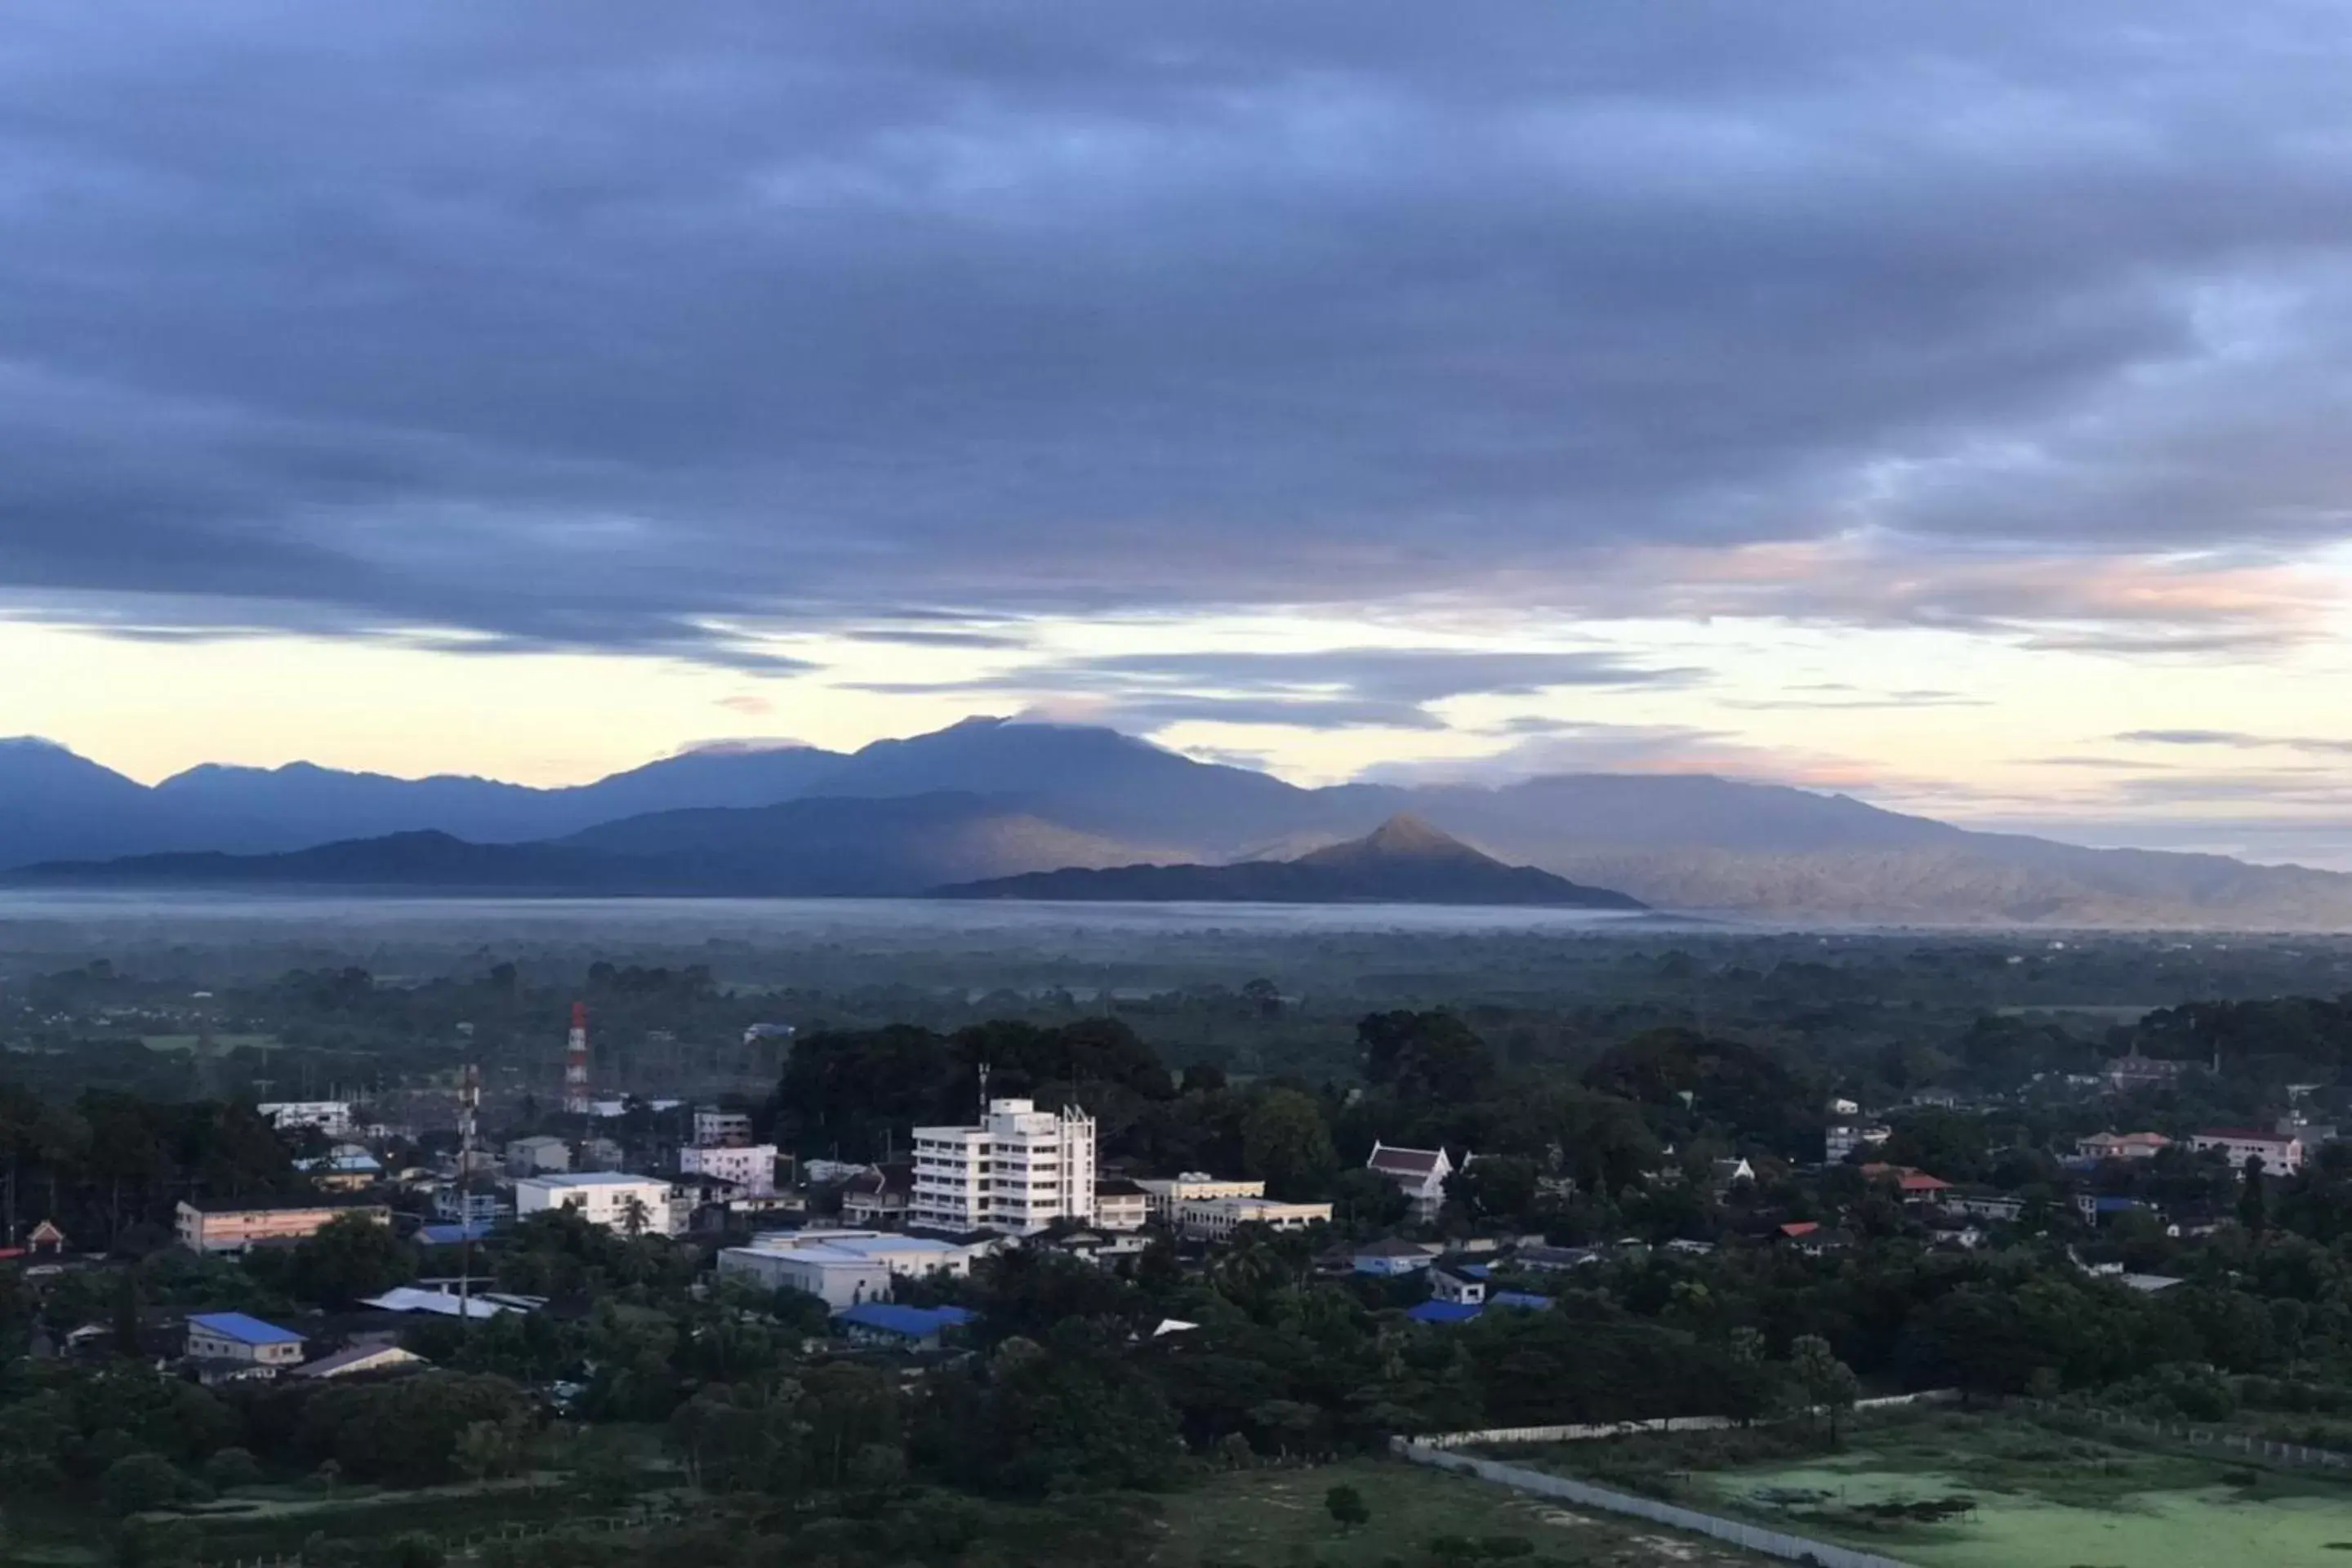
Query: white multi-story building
[714, 1128]
[1163, 1195]
[751, 1167]
[614, 1199]
[1019, 1170]
[331, 1117]
[1844, 1138]
[2281, 1154]
[1214, 1219]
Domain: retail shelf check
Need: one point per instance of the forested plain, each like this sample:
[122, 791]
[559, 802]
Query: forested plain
[1599, 1080]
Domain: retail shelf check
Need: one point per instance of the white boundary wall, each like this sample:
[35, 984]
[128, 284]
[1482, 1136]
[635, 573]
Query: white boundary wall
[1630, 1428]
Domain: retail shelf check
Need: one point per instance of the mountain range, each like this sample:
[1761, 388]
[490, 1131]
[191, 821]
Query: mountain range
[991, 798]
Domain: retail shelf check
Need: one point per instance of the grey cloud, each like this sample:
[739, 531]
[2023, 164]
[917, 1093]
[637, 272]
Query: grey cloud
[2237, 738]
[919, 636]
[1356, 687]
[661, 331]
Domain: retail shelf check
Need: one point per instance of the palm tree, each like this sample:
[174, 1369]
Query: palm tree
[634, 1215]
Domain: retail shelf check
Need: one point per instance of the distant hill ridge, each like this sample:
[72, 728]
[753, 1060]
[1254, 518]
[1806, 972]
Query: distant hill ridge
[993, 798]
[1402, 861]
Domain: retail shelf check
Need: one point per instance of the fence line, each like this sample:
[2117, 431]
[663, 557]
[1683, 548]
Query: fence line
[1588, 1431]
[2252, 1447]
[1755, 1538]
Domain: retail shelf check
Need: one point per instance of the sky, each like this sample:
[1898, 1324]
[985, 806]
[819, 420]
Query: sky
[1943, 404]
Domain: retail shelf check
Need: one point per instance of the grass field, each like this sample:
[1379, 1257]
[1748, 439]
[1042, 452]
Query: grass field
[2039, 1498]
[1267, 1517]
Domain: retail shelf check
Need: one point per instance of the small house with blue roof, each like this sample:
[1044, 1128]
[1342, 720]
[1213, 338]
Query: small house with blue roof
[237, 1338]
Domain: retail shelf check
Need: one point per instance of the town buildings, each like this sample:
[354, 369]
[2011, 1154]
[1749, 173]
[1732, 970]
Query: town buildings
[750, 1166]
[1120, 1204]
[1216, 1219]
[841, 1268]
[215, 1227]
[2121, 1145]
[237, 1340]
[1420, 1173]
[538, 1156]
[1162, 1194]
[331, 1117]
[1844, 1138]
[2281, 1154]
[1019, 1170]
[361, 1359]
[612, 1199]
[2126, 1073]
[877, 1198]
[714, 1128]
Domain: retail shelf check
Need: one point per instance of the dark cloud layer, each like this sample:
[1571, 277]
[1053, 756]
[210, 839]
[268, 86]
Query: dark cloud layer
[645, 328]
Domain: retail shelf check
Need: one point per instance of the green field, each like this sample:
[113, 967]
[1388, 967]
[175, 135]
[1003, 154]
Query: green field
[1266, 1517]
[2035, 1497]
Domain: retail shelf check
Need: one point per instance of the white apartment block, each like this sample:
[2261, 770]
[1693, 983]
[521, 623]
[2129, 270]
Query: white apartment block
[751, 1167]
[1163, 1195]
[331, 1117]
[602, 1197]
[1020, 1170]
[714, 1128]
[1215, 1219]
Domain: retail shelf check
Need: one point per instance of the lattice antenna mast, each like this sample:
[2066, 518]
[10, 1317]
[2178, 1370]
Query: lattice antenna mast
[575, 1063]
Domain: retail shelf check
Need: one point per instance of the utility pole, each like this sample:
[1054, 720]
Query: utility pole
[469, 1100]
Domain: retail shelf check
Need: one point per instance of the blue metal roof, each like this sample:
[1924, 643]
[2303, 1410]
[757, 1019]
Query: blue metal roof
[1444, 1312]
[914, 1322]
[244, 1329]
[1527, 1298]
[453, 1235]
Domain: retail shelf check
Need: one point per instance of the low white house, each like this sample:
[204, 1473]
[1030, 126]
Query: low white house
[614, 1199]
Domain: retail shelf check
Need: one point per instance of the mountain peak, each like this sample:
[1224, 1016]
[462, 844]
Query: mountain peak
[1404, 837]
[1406, 834]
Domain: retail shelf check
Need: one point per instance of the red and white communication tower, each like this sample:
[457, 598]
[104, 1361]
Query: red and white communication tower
[575, 1063]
